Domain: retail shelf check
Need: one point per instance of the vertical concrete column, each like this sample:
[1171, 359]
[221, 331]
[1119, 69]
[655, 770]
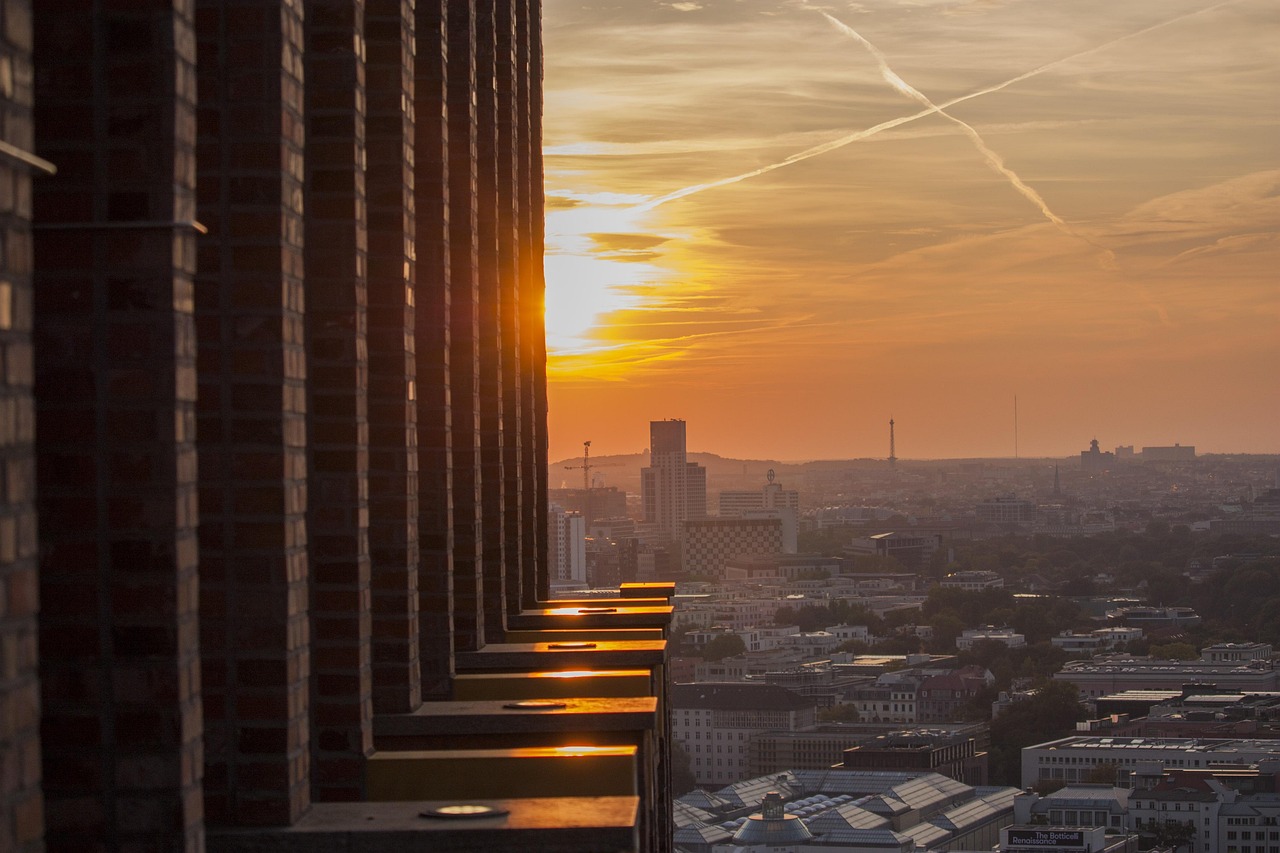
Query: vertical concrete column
[393, 392]
[490, 195]
[115, 390]
[509, 201]
[432, 347]
[252, 432]
[338, 376]
[20, 798]
[535, 581]
[464, 349]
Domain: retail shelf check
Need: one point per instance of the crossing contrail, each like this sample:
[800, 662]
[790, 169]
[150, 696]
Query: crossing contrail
[859, 135]
[994, 160]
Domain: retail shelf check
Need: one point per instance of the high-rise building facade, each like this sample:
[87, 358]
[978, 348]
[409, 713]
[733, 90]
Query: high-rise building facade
[272, 413]
[566, 545]
[672, 489]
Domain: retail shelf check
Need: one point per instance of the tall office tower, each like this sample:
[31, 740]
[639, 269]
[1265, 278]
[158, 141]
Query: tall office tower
[672, 488]
[566, 545]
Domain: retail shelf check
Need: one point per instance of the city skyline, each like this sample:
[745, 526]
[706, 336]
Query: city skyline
[786, 223]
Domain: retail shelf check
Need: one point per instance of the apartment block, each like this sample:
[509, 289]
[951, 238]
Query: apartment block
[709, 543]
[714, 724]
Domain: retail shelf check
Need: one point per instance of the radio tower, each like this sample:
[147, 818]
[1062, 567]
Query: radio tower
[893, 459]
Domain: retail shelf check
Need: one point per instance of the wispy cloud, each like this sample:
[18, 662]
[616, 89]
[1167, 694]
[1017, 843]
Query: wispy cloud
[858, 136]
[994, 160]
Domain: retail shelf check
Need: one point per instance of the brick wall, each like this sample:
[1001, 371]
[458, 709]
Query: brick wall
[535, 583]
[313, 301]
[431, 342]
[464, 329]
[511, 120]
[115, 392]
[393, 389]
[336, 258]
[490, 199]
[254, 574]
[20, 798]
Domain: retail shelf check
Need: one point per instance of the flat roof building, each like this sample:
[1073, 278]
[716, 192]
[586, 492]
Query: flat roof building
[1103, 676]
[1074, 759]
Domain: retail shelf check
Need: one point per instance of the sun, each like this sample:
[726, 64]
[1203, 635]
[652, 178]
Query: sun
[588, 280]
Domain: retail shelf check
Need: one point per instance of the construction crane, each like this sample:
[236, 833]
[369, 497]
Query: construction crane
[586, 465]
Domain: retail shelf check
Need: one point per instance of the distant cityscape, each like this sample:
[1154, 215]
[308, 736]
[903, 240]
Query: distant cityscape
[950, 655]
[669, 514]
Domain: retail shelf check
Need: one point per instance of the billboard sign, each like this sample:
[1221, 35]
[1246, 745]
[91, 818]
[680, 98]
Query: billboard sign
[1073, 838]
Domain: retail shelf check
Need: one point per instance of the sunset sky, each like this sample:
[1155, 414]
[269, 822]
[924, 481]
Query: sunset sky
[786, 222]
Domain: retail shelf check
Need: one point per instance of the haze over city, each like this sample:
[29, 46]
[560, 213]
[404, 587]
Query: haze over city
[787, 222]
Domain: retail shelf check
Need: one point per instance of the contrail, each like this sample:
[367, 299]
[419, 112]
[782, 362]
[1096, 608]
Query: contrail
[859, 135]
[994, 160]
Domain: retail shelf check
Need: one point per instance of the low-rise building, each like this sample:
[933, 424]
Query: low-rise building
[942, 696]
[1006, 510]
[844, 810]
[1081, 804]
[1098, 640]
[959, 756]
[1064, 839]
[912, 550]
[823, 746]
[1190, 803]
[973, 581]
[1079, 757]
[1154, 617]
[783, 567]
[1005, 636]
[891, 698]
[1101, 676]
[1236, 652]
[714, 723]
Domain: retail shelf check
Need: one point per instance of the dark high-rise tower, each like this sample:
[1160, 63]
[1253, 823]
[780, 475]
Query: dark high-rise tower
[673, 489]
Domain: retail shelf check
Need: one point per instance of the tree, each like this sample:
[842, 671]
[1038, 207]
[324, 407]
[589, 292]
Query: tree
[1051, 713]
[784, 615]
[839, 714]
[724, 646]
[853, 647]
[682, 779]
[1174, 651]
[1174, 834]
[946, 627]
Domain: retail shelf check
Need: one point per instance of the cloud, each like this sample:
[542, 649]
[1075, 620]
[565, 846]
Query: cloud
[801, 263]
[1240, 203]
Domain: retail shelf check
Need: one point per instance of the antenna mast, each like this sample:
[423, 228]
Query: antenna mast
[893, 459]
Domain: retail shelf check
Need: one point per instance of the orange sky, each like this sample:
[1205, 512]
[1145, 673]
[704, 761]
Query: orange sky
[787, 222]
